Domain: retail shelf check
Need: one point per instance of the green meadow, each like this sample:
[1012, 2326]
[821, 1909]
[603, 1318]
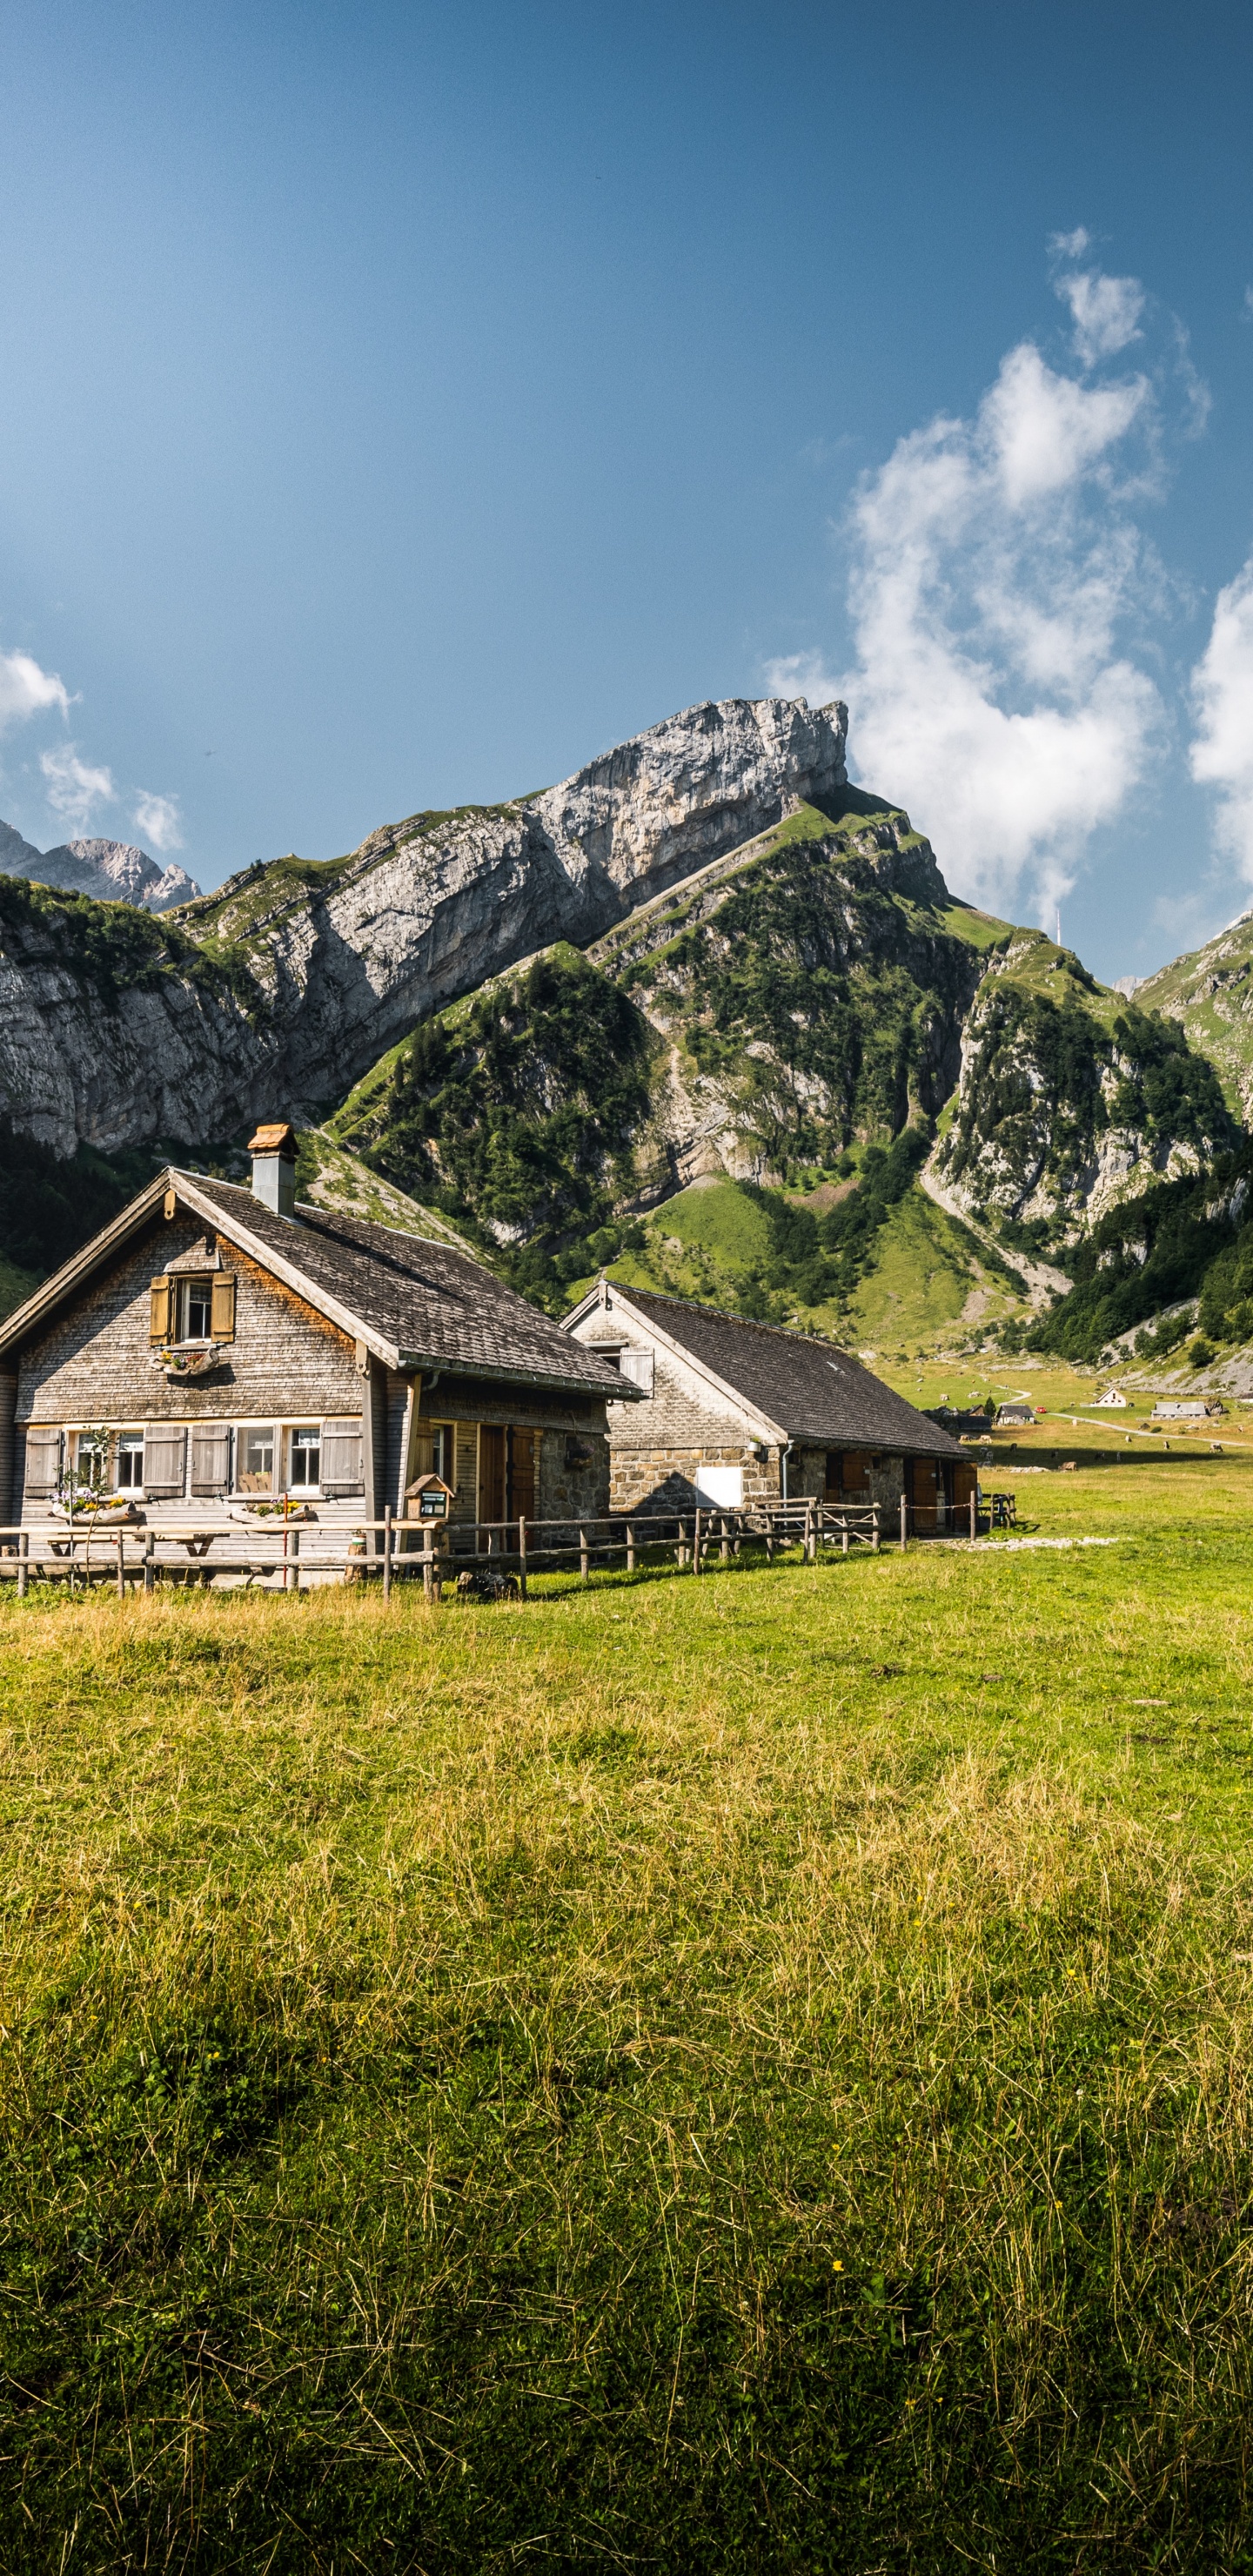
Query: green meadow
[749, 2073]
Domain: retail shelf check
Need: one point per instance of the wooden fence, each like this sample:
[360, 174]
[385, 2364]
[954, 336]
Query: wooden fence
[386, 1552]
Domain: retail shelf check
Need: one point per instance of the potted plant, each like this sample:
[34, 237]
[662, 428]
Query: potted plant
[83, 1496]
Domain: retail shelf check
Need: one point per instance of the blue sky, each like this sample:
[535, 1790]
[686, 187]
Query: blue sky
[403, 404]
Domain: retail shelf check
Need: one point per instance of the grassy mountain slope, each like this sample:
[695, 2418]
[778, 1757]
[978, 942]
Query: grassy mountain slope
[1209, 992]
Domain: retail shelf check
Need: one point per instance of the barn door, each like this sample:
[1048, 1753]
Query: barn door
[491, 1472]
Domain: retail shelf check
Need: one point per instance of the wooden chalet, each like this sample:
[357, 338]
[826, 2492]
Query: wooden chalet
[737, 1413]
[226, 1352]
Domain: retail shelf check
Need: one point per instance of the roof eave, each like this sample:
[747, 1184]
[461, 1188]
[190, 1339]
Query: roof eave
[610, 1385]
[768, 1429]
[48, 1296]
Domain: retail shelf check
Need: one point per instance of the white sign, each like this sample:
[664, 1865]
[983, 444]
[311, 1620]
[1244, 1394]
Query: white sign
[721, 1487]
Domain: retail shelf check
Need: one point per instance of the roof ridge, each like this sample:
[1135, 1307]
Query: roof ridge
[751, 1323]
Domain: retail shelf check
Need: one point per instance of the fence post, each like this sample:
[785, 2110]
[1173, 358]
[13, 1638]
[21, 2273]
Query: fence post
[874, 1543]
[150, 1562]
[974, 1511]
[121, 1568]
[522, 1555]
[696, 1542]
[904, 1520]
[582, 1554]
[630, 1547]
[295, 1567]
[844, 1550]
[387, 1553]
[428, 1553]
[811, 1543]
[725, 1546]
[23, 1564]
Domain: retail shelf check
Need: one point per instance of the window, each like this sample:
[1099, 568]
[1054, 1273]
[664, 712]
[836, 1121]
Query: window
[194, 1308]
[306, 1457]
[256, 1460]
[638, 1367]
[130, 1461]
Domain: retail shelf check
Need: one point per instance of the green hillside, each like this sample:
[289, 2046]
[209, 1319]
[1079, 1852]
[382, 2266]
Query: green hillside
[1209, 993]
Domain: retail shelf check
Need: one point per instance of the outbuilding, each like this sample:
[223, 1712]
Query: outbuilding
[736, 1412]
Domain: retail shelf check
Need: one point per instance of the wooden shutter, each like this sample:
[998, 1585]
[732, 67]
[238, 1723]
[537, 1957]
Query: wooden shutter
[161, 1320]
[165, 1460]
[491, 1472]
[342, 1468]
[638, 1367]
[965, 1479]
[43, 1462]
[222, 1307]
[211, 1458]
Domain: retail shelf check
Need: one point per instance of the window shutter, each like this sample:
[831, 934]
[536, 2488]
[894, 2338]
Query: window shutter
[638, 1367]
[342, 1469]
[43, 1463]
[161, 1325]
[211, 1458]
[222, 1313]
[165, 1460]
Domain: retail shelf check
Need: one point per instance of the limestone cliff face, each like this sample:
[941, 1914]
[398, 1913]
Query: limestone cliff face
[278, 992]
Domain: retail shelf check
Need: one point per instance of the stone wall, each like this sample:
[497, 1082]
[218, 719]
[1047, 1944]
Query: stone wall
[664, 1479]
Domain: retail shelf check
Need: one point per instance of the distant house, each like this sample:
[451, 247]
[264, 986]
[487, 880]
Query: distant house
[221, 1348]
[1007, 1415]
[737, 1412]
[1185, 1409]
[1112, 1400]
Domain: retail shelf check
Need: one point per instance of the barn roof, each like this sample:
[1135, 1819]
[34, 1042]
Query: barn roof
[414, 1302]
[801, 1387]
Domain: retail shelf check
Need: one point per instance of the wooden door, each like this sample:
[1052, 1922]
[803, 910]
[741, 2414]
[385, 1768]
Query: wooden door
[520, 1478]
[924, 1481]
[491, 1472]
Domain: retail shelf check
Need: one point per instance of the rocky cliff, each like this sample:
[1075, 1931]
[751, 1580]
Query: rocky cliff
[279, 990]
[111, 871]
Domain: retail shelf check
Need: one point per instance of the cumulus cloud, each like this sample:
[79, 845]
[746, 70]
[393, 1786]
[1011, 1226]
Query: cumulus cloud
[25, 690]
[1105, 311]
[994, 573]
[159, 819]
[1221, 754]
[74, 788]
[802, 675]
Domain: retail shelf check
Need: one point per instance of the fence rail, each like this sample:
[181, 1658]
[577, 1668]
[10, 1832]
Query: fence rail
[492, 1554]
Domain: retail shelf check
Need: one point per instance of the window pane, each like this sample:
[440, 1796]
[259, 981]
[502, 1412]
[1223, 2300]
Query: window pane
[195, 1314]
[130, 1460]
[256, 1452]
[306, 1455]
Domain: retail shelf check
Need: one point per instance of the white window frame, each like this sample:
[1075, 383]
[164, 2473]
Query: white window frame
[304, 1436]
[245, 1432]
[184, 1289]
[128, 1443]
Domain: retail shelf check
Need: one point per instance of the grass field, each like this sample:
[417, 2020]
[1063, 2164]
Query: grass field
[749, 2074]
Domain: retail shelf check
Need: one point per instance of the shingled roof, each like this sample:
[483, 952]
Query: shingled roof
[804, 1388]
[416, 1303]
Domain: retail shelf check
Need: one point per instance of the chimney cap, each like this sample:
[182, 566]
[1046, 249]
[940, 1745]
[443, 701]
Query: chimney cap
[279, 1138]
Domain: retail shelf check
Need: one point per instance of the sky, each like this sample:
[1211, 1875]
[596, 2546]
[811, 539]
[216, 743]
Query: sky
[403, 404]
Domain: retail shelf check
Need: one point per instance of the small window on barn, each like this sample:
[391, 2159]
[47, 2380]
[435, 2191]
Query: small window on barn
[306, 1458]
[130, 1462]
[638, 1367]
[255, 1452]
[195, 1306]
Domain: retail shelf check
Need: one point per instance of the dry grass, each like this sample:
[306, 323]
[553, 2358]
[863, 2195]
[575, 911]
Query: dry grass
[685, 2077]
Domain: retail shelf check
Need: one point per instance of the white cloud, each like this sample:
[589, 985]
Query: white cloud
[74, 789]
[25, 690]
[159, 819]
[802, 675]
[1105, 311]
[993, 573]
[1070, 245]
[1222, 695]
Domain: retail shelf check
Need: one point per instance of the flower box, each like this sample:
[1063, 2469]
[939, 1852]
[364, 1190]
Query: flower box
[93, 1516]
[176, 1365]
[271, 1515]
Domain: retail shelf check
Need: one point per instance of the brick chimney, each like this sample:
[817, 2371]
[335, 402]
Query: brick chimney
[273, 1151]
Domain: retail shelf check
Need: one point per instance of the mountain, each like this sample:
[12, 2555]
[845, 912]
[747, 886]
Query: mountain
[111, 871]
[1209, 994]
[703, 1010]
[278, 991]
